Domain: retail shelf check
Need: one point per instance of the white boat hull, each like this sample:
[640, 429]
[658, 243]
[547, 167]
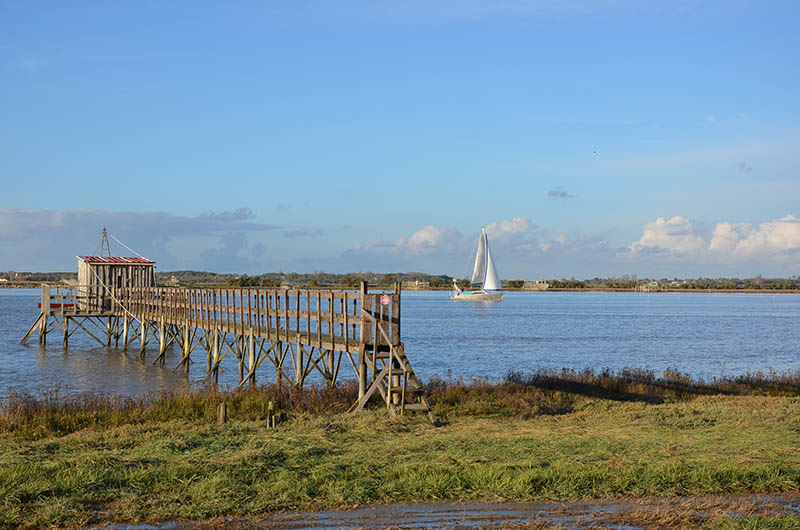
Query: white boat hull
[477, 296]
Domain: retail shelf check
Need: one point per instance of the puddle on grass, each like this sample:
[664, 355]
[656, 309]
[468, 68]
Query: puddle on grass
[624, 514]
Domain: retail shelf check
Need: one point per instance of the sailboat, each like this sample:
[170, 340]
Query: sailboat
[484, 277]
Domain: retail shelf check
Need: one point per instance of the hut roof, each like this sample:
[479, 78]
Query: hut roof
[115, 260]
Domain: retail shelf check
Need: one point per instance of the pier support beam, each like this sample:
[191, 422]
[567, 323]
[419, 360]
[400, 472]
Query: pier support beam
[142, 336]
[126, 322]
[251, 358]
[162, 341]
[45, 314]
[186, 348]
[215, 355]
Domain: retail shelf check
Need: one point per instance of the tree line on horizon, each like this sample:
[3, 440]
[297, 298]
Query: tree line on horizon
[412, 280]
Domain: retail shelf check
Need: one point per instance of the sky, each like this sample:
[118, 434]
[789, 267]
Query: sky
[591, 138]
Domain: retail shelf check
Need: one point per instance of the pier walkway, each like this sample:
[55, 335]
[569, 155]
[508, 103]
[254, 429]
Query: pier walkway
[298, 331]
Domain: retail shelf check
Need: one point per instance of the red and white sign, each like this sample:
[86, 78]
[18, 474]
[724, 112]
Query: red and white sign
[385, 299]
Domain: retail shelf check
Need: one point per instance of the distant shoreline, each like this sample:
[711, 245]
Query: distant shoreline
[36, 285]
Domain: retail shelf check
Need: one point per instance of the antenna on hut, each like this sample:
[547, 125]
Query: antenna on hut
[104, 247]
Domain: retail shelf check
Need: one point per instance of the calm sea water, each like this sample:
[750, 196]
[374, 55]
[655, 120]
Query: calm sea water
[705, 335]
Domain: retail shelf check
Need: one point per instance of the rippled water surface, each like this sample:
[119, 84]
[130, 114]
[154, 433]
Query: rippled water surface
[706, 335]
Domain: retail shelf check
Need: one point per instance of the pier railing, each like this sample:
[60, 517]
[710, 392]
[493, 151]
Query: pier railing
[74, 299]
[333, 319]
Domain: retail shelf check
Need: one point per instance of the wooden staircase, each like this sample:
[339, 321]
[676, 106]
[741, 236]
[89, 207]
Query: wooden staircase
[395, 380]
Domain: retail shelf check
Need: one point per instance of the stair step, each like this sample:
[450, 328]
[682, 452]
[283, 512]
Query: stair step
[409, 390]
[417, 406]
[386, 356]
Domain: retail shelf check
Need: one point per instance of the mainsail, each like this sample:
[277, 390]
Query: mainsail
[484, 273]
[492, 281]
[479, 272]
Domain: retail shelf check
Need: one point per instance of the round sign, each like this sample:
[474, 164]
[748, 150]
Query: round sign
[385, 299]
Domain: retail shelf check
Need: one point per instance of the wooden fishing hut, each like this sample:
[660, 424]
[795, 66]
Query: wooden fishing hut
[100, 276]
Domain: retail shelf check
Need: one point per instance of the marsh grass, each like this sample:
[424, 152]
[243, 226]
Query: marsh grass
[518, 395]
[73, 461]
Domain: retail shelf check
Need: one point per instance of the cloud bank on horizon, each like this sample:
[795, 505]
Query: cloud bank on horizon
[48, 240]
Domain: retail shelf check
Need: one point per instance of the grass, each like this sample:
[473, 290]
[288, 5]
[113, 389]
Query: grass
[90, 459]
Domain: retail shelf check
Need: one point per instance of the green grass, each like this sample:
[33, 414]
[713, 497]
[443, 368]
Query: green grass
[71, 462]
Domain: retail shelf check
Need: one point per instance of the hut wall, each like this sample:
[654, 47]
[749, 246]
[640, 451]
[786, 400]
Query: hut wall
[98, 281]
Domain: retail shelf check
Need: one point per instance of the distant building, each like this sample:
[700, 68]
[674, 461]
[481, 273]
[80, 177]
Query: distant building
[538, 285]
[417, 285]
[3, 280]
[649, 287]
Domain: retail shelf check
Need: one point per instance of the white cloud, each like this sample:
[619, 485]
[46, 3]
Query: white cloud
[509, 230]
[677, 235]
[770, 238]
[429, 240]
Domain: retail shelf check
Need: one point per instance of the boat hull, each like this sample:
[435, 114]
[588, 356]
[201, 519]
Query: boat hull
[477, 296]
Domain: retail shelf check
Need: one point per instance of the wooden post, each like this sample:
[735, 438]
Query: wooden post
[270, 416]
[240, 347]
[186, 347]
[222, 413]
[45, 314]
[142, 334]
[126, 322]
[215, 352]
[66, 331]
[251, 357]
[109, 331]
[298, 366]
[162, 340]
[396, 314]
[209, 351]
[279, 367]
[331, 326]
[362, 360]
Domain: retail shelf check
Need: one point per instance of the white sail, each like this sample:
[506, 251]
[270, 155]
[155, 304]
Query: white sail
[484, 275]
[479, 271]
[491, 281]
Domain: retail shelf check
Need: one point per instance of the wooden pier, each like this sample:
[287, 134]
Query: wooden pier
[298, 331]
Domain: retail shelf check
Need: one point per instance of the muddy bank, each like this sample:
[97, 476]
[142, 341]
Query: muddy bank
[629, 514]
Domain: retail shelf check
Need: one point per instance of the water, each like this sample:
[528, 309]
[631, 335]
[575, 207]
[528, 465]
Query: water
[705, 335]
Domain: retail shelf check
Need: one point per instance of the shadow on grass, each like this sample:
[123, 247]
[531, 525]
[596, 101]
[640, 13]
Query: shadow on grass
[632, 384]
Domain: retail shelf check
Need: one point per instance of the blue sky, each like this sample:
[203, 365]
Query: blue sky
[381, 135]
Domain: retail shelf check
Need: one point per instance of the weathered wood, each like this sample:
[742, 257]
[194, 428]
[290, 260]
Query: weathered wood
[255, 324]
